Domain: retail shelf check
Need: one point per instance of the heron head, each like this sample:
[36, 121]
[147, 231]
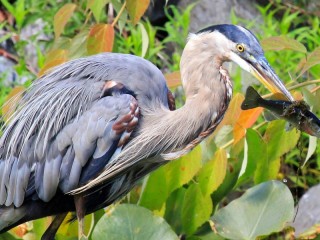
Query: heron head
[243, 48]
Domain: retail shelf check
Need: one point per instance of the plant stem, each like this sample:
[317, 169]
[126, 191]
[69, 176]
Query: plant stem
[297, 86]
[87, 19]
[119, 14]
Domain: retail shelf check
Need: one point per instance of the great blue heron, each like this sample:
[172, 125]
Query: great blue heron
[95, 125]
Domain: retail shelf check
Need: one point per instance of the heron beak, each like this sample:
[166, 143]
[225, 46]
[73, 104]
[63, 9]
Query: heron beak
[261, 70]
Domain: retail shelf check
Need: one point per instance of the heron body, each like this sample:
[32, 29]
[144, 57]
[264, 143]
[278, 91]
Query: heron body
[86, 132]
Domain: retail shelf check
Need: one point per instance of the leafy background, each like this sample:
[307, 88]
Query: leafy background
[243, 181]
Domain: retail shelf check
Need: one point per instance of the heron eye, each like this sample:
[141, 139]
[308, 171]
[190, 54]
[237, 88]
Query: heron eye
[240, 47]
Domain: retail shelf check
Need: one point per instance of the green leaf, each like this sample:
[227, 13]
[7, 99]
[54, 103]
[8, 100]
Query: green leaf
[62, 17]
[20, 12]
[256, 155]
[9, 7]
[168, 178]
[136, 8]
[278, 142]
[213, 173]
[69, 230]
[173, 213]
[228, 183]
[97, 6]
[196, 209]
[277, 43]
[223, 135]
[263, 209]
[124, 16]
[40, 226]
[276, 134]
[311, 148]
[312, 60]
[145, 39]
[7, 236]
[209, 236]
[78, 46]
[128, 221]
[154, 197]
[312, 99]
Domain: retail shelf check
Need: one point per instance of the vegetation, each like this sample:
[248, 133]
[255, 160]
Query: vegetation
[235, 167]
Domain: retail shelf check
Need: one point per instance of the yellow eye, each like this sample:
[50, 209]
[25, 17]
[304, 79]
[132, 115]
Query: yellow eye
[240, 47]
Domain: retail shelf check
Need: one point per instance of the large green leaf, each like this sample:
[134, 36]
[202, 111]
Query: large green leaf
[278, 142]
[263, 209]
[312, 99]
[97, 6]
[153, 197]
[196, 209]
[62, 17]
[213, 173]
[173, 213]
[277, 43]
[168, 178]
[313, 59]
[256, 155]
[229, 181]
[117, 4]
[77, 48]
[7, 236]
[129, 221]
[312, 146]
[136, 8]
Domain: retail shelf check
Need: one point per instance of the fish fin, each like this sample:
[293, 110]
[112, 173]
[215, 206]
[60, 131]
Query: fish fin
[270, 116]
[251, 100]
[289, 127]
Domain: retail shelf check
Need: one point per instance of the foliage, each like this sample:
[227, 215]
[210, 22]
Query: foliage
[127, 221]
[259, 211]
[244, 151]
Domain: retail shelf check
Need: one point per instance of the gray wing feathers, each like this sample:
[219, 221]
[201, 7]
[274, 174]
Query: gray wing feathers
[62, 121]
[67, 153]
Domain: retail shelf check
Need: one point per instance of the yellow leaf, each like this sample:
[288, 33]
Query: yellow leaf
[213, 173]
[232, 114]
[11, 102]
[173, 79]
[20, 230]
[278, 43]
[53, 59]
[136, 8]
[62, 17]
[246, 119]
[312, 60]
[97, 6]
[100, 39]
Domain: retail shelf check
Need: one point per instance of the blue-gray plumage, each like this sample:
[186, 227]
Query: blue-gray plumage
[243, 35]
[86, 132]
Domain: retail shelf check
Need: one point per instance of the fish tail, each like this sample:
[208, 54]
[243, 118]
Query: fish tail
[252, 99]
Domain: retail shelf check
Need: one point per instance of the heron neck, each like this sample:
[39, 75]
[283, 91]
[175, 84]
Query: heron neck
[208, 91]
[206, 83]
